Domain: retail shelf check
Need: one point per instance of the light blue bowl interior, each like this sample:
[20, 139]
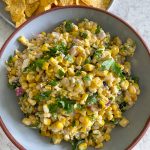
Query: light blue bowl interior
[121, 137]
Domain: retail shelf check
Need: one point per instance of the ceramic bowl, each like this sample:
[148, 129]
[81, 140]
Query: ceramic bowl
[10, 114]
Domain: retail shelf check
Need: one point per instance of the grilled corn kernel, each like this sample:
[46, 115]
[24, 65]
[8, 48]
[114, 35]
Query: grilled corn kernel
[82, 146]
[83, 98]
[30, 77]
[124, 85]
[57, 126]
[53, 61]
[89, 67]
[32, 102]
[26, 121]
[71, 72]
[45, 108]
[45, 66]
[124, 122]
[114, 50]
[79, 60]
[23, 40]
[24, 85]
[45, 47]
[107, 137]
[47, 121]
[132, 89]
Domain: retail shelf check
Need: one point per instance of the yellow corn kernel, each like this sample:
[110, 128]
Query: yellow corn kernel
[48, 87]
[96, 82]
[30, 77]
[43, 33]
[24, 85]
[57, 138]
[79, 60]
[37, 77]
[114, 107]
[114, 50]
[45, 66]
[59, 58]
[117, 114]
[89, 67]
[26, 121]
[83, 98]
[124, 122]
[31, 85]
[99, 145]
[45, 47]
[107, 137]
[132, 89]
[102, 73]
[45, 108]
[23, 40]
[71, 72]
[15, 58]
[85, 121]
[47, 121]
[53, 61]
[82, 146]
[57, 126]
[79, 88]
[32, 102]
[103, 103]
[125, 85]
[66, 137]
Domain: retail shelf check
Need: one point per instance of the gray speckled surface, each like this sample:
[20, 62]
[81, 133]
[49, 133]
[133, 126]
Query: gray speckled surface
[136, 13]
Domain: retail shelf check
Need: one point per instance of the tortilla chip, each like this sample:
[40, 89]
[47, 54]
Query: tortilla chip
[31, 8]
[16, 9]
[94, 3]
[66, 2]
[31, 1]
[44, 5]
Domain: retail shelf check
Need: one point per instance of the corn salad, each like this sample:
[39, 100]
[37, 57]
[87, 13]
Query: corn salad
[74, 83]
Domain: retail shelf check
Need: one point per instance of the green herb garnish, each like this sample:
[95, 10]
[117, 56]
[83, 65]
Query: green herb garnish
[107, 64]
[86, 78]
[92, 99]
[98, 29]
[75, 143]
[42, 96]
[53, 83]
[10, 59]
[69, 58]
[69, 26]
[84, 35]
[61, 73]
[111, 64]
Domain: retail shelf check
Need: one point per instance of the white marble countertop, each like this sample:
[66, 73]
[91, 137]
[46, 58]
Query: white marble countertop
[136, 13]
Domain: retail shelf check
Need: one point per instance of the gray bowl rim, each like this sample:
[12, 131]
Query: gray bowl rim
[3, 126]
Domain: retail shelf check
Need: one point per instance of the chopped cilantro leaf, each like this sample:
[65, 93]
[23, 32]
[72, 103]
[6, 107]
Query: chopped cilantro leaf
[107, 64]
[42, 96]
[75, 144]
[61, 73]
[53, 83]
[53, 107]
[86, 78]
[117, 70]
[98, 29]
[78, 72]
[69, 26]
[69, 58]
[84, 35]
[91, 100]
[10, 59]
